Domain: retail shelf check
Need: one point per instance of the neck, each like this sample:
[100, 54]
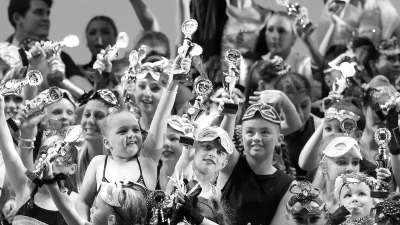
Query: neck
[122, 159]
[145, 120]
[260, 166]
[168, 167]
[284, 54]
[204, 179]
[20, 35]
[95, 147]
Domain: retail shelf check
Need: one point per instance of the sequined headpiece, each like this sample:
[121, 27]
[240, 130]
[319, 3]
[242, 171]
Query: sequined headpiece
[304, 199]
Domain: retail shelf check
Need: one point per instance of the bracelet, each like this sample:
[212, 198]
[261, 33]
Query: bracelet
[31, 145]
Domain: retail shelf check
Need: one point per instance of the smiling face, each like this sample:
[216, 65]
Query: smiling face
[123, 134]
[62, 111]
[356, 197]
[99, 34]
[36, 22]
[260, 138]
[147, 94]
[94, 111]
[210, 157]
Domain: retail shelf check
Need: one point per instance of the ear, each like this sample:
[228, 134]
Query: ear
[73, 168]
[16, 18]
[111, 220]
[106, 143]
[287, 216]
[225, 162]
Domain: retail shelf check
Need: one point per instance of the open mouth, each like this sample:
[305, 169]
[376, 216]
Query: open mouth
[91, 130]
[167, 153]
[209, 161]
[147, 101]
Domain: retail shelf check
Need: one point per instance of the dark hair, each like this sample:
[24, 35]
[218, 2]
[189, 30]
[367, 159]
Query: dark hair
[293, 83]
[105, 19]
[21, 7]
[154, 37]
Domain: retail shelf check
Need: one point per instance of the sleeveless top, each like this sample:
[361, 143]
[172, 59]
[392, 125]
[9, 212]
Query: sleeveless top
[30, 213]
[253, 198]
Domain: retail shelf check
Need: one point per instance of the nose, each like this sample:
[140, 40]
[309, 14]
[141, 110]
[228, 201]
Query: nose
[11, 104]
[99, 40]
[257, 137]
[147, 91]
[350, 168]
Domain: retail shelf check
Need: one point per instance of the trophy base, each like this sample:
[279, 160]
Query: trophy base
[379, 194]
[230, 108]
[186, 140]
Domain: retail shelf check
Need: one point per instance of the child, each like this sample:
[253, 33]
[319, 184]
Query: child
[304, 205]
[353, 191]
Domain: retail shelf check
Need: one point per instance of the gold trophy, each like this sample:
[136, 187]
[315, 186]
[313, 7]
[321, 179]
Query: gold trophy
[188, 49]
[111, 52]
[54, 47]
[382, 138]
[233, 59]
[14, 86]
[43, 99]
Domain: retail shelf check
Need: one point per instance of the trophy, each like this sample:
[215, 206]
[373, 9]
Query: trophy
[14, 86]
[382, 137]
[111, 52]
[129, 78]
[9, 54]
[299, 12]
[188, 49]
[233, 59]
[60, 155]
[188, 131]
[43, 99]
[54, 47]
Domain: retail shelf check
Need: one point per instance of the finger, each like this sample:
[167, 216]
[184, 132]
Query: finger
[254, 98]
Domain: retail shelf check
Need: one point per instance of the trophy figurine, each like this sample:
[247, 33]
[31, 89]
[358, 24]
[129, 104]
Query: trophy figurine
[299, 12]
[188, 131]
[233, 59]
[43, 99]
[54, 47]
[187, 50]
[14, 86]
[111, 52]
[382, 138]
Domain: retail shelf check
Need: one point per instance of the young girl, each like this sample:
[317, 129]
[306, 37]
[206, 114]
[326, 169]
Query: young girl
[353, 191]
[304, 205]
[251, 186]
[129, 158]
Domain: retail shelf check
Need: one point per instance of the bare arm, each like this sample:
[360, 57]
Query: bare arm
[158, 127]
[145, 15]
[88, 188]
[12, 161]
[65, 206]
[310, 156]
[280, 212]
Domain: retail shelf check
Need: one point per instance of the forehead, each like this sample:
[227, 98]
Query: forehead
[99, 23]
[171, 131]
[62, 104]
[94, 105]
[356, 187]
[147, 80]
[35, 4]
[122, 119]
[260, 123]
[280, 21]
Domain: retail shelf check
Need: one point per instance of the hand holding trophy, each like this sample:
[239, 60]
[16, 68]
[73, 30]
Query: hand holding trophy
[187, 50]
[382, 137]
[54, 47]
[14, 86]
[109, 54]
[233, 59]
[299, 12]
[37, 104]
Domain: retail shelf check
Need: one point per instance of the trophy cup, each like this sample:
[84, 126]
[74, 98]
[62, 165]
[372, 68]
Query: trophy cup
[60, 155]
[188, 49]
[382, 138]
[233, 59]
[43, 99]
[14, 86]
[111, 52]
[54, 47]
[299, 12]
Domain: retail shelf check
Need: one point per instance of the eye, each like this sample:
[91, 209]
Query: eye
[328, 129]
[362, 193]
[314, 219]
[341, 162]
[99, 115]
[122, 131]
[136, 130]
[56, 112]
[281, 30]
[69, 112]
[347, 195]
[86, 114]
[155, 87]
[142, 86]
[355, 162]
[249, 132]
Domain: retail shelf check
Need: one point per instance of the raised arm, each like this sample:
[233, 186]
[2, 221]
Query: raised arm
[65, 206]
[158, 127]
[88, 190]
[310, 155]
[12, 161]
[146, 17]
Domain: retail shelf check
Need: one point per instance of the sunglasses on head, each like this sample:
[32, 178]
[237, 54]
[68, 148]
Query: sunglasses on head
[266, 111]
[348, 120]
[105, 95]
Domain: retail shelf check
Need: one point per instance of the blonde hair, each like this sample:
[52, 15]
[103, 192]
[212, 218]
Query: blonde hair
[133, 208]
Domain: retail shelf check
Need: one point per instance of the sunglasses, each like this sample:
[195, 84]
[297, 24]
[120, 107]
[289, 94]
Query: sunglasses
[348, 120]
[266, 111]
[105, 95]
[14, 98]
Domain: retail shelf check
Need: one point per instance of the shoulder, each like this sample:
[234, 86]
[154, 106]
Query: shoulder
[97, 160]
